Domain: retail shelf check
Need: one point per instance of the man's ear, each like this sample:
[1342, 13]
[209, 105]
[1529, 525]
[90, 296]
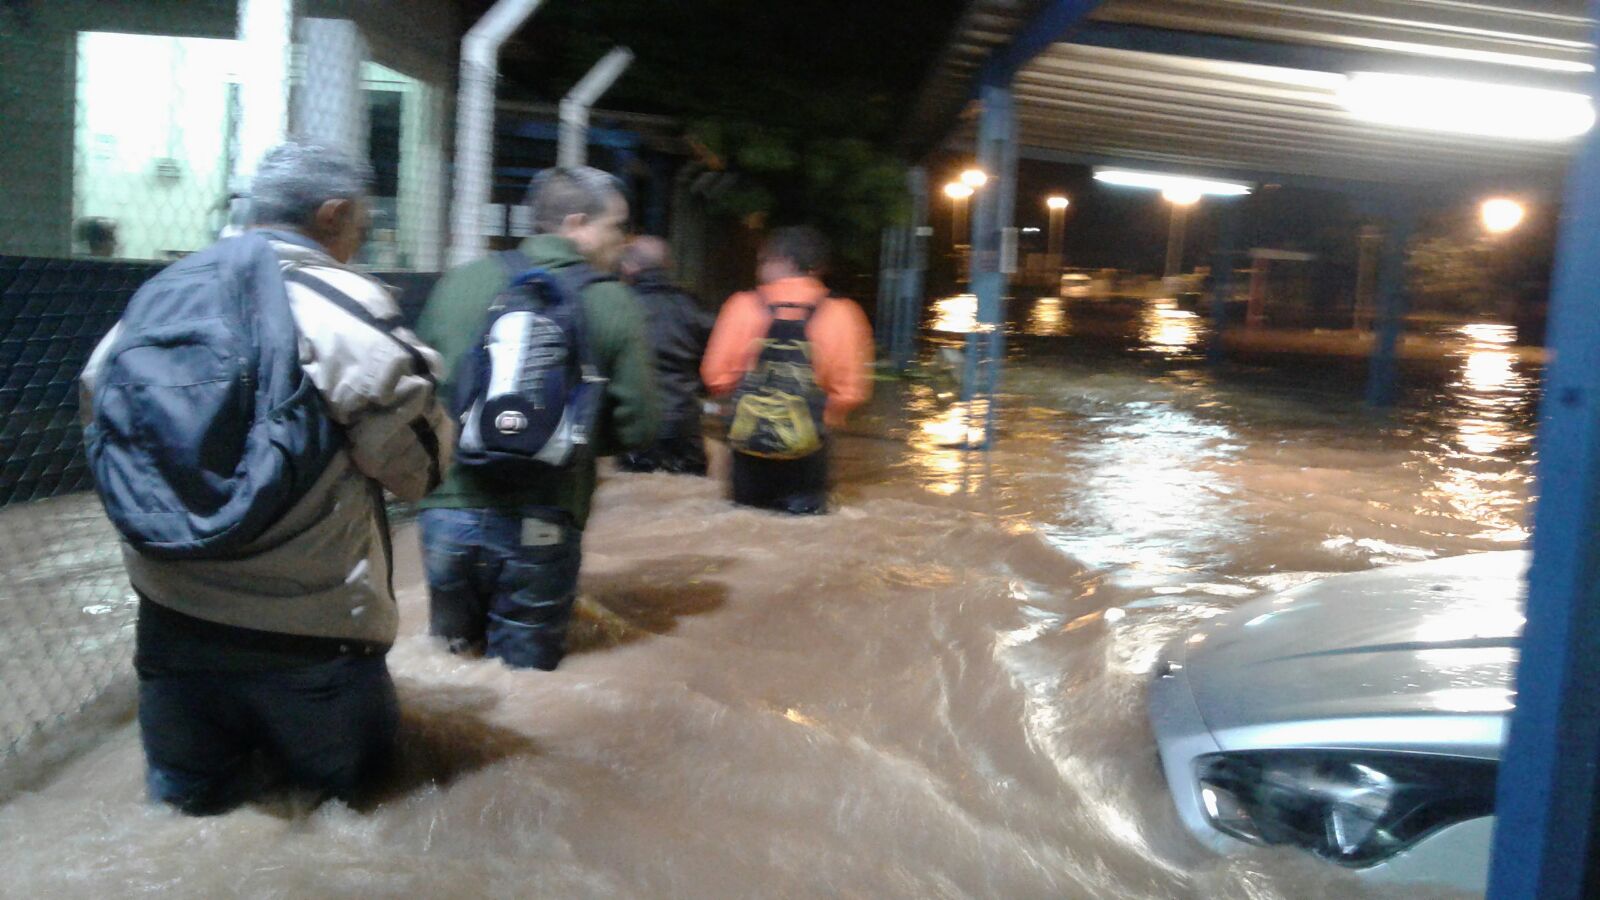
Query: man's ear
[575, 220]
[333, 214]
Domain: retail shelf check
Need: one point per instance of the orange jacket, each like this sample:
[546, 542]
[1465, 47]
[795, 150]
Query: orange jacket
[841, 342]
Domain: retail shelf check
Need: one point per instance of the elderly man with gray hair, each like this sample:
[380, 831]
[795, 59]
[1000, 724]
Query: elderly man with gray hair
[274, 650]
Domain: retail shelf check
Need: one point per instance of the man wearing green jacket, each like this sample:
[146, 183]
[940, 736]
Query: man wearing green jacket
[502, 557]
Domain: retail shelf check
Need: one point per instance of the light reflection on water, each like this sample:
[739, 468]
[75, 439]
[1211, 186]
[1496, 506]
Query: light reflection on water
[1490, 395]
[1169, 330]
[1167, 472]
[956, 314]
[1159, 326]
[1048, 317]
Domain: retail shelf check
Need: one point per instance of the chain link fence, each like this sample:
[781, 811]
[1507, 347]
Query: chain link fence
[131, 129]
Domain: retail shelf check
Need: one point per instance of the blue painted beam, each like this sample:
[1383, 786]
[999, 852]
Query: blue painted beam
[1223, 48]
[1544, 843]
[615, 138]
[1051, 24]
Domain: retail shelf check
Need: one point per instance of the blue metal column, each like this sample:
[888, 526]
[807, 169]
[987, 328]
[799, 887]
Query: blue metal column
[1223, 259]
[888, 278]
[994, 249]
[1544, 843]
[994, 240]
[1383, 376]
[909, 307]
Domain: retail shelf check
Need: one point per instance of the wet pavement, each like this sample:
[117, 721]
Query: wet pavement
[936, 691]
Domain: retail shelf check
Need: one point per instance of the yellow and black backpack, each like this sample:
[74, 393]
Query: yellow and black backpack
[777, 408]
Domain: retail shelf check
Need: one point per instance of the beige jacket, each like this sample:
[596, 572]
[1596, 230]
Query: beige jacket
[325, 569]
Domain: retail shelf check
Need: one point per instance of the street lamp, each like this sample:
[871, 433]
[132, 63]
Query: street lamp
[1502, 215]
[1057, 205]
[974, 178]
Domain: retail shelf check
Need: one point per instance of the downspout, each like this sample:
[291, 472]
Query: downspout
[573, 142]
[480, 66]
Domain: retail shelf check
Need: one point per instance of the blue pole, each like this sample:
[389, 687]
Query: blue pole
[1222, 262]
[910, 300]
[1546, 801]
[1383, 376]
[993, 248]
[888, 272]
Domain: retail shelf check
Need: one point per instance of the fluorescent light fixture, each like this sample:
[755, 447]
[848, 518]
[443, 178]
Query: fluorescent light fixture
[1030, 230]
[1467, 107]
[1181, 196]
[1178, 185]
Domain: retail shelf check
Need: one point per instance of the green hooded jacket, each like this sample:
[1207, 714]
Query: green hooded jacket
[615, 326]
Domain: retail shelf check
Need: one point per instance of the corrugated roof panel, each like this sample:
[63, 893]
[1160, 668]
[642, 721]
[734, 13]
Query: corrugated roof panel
[1079, 102]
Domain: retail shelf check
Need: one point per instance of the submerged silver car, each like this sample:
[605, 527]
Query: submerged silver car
[1359, 717]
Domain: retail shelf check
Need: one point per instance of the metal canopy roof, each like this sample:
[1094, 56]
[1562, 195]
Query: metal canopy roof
[1249, 87]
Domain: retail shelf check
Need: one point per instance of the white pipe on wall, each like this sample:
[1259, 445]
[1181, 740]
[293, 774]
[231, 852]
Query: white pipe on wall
[573, 145]
[480, 65]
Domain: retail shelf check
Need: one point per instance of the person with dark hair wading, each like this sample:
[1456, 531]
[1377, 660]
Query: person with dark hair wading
[796, 362]
[679, 328]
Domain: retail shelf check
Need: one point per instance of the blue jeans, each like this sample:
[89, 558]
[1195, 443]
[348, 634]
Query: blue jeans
[502, 581]
[329, 726]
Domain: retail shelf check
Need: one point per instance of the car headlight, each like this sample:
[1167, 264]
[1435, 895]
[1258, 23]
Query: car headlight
[1353, 808]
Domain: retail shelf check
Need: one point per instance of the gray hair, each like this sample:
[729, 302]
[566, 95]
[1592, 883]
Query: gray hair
[295, 179]
[565, 191]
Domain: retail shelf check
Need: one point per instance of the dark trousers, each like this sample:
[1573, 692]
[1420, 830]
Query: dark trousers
[329, 727]
[679, 455]
[502, 581]
[795, 486]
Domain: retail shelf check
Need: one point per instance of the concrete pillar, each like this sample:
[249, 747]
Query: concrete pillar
[264, 47]
[330, 107]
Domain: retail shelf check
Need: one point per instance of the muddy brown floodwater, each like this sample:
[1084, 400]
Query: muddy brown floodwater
[937, 691]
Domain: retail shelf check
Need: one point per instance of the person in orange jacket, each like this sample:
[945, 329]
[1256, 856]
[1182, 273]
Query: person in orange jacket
[787, 322]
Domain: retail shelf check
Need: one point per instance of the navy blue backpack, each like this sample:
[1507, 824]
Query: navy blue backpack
[205, 428]
[527, 392]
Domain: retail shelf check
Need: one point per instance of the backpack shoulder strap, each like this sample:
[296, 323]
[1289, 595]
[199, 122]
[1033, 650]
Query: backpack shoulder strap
[574, 280]
[384, 324]
[579, 276]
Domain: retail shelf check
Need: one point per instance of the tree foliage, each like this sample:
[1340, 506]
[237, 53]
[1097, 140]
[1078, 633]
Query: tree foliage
[800, 101]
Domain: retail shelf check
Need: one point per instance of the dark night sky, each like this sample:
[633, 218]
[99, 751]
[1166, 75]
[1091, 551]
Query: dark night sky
[846, 68]
[842, 67]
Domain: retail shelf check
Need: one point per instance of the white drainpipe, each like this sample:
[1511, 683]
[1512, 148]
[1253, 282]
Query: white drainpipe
[480, 65]
[573, 146]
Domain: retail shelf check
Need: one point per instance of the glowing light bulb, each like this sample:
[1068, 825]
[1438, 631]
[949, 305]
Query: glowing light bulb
[1501, 214]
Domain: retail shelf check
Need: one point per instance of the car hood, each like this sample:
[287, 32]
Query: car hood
[1416, 657]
